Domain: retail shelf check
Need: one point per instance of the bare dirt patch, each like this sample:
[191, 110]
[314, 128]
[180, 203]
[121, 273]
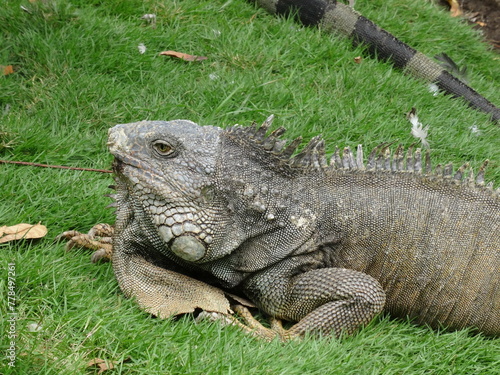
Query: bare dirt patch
[485, 16]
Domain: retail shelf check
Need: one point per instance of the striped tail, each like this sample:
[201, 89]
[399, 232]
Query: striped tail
[339, 18]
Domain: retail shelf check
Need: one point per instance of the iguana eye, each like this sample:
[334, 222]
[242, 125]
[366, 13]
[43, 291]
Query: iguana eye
[163, 148]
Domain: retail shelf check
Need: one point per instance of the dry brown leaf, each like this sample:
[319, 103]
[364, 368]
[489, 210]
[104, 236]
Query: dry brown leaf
[358, 59]
[22, 231]
[242, 301]
[9, 69]
[482, 24]
[183, 56]
[102, 364]
[455, 8]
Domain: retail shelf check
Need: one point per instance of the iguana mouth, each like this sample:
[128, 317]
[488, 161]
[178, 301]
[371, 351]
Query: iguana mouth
[117, 166]
[133, 169]
[120, 162]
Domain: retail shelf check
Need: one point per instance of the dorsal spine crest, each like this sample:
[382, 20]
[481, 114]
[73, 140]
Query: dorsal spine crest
[313, 156]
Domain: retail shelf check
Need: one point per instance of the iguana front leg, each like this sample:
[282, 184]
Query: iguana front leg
[159, 291]
[164, 292]
[170, 293]
[329, 300]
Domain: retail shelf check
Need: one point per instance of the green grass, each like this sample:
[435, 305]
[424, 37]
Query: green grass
[78, 72]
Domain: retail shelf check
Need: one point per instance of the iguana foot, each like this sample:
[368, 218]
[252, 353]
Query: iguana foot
[248, 323]
[99, 238]
[256, 328]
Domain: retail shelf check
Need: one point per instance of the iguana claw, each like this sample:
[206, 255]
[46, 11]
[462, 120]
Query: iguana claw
[99, 238]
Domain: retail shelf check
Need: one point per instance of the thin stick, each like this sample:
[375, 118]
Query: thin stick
[54, 166]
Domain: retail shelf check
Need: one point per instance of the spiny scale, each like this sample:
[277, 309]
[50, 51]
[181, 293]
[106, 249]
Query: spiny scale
[313, 155]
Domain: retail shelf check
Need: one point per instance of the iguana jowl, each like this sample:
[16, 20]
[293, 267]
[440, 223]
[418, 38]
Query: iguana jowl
[338, 18]
[324, 244]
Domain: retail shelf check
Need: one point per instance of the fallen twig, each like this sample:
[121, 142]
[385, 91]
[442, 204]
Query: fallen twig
[55, 166]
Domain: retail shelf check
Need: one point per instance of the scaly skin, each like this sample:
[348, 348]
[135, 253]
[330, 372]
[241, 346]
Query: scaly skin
[323, 244]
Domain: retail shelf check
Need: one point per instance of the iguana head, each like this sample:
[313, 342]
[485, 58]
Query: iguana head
[167, 168]
[204, 193]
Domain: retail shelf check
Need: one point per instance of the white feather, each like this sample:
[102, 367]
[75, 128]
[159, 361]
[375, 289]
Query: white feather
[418, 130]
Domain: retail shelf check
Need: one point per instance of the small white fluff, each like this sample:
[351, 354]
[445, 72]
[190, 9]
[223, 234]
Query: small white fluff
[149, 17]
[474, 129]
[417, 129]
[34, 327]
[434, 89]
[142, 48]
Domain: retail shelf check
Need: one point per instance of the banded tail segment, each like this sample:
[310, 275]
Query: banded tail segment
[340, 18]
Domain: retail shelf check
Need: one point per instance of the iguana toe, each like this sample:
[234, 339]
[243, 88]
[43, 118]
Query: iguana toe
[98, 239]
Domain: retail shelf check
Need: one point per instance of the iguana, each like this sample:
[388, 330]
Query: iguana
[336, 17]
[327, 244]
